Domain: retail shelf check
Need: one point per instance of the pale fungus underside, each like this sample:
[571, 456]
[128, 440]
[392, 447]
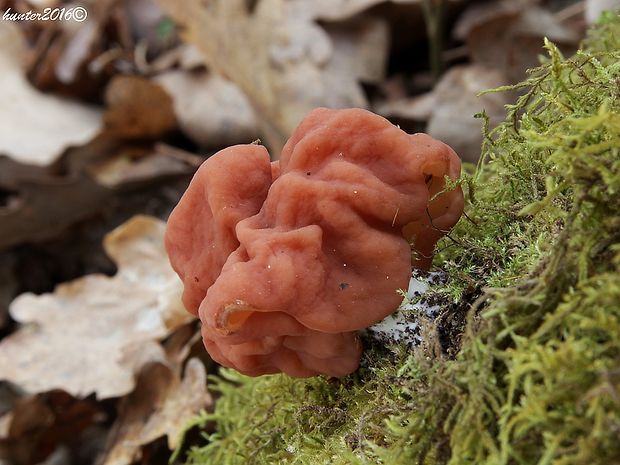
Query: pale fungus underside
[530, 330]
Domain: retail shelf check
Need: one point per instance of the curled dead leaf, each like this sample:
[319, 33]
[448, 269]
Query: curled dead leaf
[337, 10]
[418, 108]
[138, 108]
[360, 47]
[141, 164]
[63, 51]
[75, 338]
[450, 108]
[211, 110]
[36, 128]
[456, 102]
[37, 424]
[280, 61]
[40, 202]
[508, 35]
[161, 405]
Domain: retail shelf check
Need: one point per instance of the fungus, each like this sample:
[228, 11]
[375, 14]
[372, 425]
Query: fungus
[284, 263]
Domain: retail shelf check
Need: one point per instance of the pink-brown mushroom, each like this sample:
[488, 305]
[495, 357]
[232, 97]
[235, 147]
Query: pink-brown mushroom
[286, 262]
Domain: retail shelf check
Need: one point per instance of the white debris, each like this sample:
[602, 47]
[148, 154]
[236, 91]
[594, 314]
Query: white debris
[403, 325]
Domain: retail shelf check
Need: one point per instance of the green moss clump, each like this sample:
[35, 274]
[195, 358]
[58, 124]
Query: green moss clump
[536, 270]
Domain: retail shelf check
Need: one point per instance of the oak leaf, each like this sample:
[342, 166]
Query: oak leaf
[161, 405]
[36, 128]
[92, 334]
[280, 60]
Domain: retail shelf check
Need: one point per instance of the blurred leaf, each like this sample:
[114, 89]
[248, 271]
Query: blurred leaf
[360, 48]
[509, 35]
[337, 10]
[450, 108]
[161, 405]
[211, 110]
[37, 424]
[138, 108]
[63, 51]
[594, 8]
[8, 286]
[92, 334]
[418, 108]
[143, 164]
[36, 128]
[42, 202]
[38, 204]
[280, 61]
[457, 101]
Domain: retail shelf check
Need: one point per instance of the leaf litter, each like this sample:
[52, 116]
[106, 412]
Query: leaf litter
[124, 107]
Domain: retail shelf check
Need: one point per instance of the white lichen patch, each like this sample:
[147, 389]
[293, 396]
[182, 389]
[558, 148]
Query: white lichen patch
[404, 325]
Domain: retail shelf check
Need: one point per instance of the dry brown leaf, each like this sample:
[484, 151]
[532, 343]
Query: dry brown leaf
[418, 108]
[360, 48]
[211, 110]
[135, 165]
[137, 247]
[123, 445]
[138, 108]
[64, 50]
[42, 202]
[183, 56]
[337, 10]
[38, 424]
[76, 49]
[281, 62]
[455, 103]
[184, 400]
[36, 128]
[38, 203]
[75, 339]
[508, 35]
[449, 109]
[161, 405]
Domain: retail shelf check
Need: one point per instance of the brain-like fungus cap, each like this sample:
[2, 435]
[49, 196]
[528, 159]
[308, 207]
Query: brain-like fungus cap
[284, 262]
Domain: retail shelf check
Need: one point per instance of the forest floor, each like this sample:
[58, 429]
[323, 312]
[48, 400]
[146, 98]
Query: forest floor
[107, 113]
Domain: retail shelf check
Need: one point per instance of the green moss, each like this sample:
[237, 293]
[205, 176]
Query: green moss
[535, 288]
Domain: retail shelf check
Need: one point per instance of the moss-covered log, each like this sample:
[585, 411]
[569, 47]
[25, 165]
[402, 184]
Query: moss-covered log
[533, 301]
